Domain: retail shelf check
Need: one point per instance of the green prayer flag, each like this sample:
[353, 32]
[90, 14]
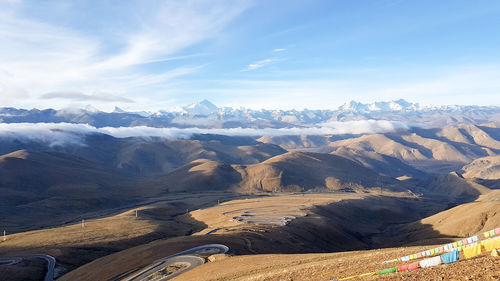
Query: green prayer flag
[388, 270]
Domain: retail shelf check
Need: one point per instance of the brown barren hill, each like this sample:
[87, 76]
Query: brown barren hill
[382, 144]
[47, 174]
[439, 150]
[296, 171]
[289, 172]
[458, 222]
[453, 186]
[382, 164]
[480, 136]
[455, 134]
[157, 157]
[483, 168]
[200, 175]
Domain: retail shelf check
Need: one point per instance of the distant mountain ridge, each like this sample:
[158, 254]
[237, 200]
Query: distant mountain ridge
[207, 115]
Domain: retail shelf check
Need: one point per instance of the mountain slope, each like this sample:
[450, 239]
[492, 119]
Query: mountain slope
[153, 156]
[382, 164]
[295, 171]
[382, 144]
[483, 168]
[454, 187]
[200, 175]
[292, 171]
[463, 220]
[431, 150]
[45, 188]
[45, 172]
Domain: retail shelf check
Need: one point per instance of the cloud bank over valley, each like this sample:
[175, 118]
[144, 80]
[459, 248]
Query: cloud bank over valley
[67, 133]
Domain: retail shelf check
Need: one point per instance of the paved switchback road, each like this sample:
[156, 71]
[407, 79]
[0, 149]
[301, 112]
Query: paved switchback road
[151, 273]
[51, 263]
[183, 259]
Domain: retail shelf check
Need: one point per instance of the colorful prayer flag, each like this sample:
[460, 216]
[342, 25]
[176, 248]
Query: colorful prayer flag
[450, 257]
[388, 270]
[472, 251]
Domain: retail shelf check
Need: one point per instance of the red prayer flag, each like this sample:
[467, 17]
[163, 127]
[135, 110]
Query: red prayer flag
[413, 266]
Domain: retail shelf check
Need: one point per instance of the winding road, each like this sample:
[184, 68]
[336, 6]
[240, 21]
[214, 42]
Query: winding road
[183, 258]
[10, 261]
[51, 263]
[189, 262]
[204, 250]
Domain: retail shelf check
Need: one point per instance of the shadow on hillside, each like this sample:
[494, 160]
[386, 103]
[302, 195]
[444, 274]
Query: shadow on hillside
[492, 184]
[355, 224]
[69, 258]
[197, 177]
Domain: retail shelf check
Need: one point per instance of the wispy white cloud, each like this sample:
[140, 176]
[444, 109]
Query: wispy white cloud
[259, 64]
[279, 50]
[39, 56]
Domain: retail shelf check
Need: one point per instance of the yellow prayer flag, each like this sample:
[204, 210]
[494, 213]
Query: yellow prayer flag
[472, 251]
[490, 245]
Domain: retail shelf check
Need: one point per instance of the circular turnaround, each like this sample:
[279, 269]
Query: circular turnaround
[51, 263]
[167, 269]
[173, 265]
[205, 250]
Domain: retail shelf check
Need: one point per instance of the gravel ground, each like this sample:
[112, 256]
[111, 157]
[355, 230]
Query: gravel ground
[319, 267]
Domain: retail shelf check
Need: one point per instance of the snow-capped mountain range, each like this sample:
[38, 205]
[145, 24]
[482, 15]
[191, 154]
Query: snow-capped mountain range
[207, 115]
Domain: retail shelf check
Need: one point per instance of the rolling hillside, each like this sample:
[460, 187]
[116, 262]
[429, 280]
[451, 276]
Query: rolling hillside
[296, 171]
[461, 221]
[453, 187]
[292, 171]
[42, 188]
[380, 163]
[483, 168]
[198, 176]
[151, 156]
[431, 150]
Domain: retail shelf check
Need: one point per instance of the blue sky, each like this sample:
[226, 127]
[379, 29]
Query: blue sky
[149, 55]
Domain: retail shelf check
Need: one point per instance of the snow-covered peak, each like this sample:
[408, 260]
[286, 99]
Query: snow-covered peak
[140, 113]
[118, 110]
[351, 106]
[204, 107]
[90, 108]
[382, 106]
